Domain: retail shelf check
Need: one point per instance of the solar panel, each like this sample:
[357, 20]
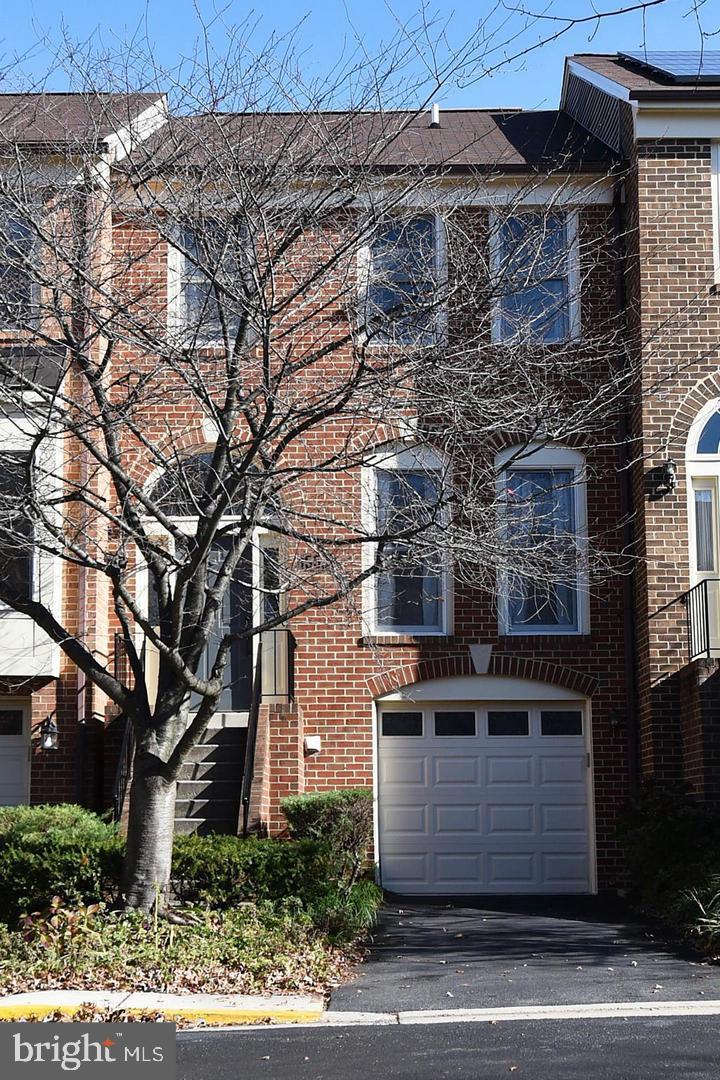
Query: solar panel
[680, 66]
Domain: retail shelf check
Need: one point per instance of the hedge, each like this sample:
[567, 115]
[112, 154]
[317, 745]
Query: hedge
[341, 822]
[55, 850]
[72, 853]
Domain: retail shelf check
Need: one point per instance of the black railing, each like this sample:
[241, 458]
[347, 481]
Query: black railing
[124, 770]
[701, 614]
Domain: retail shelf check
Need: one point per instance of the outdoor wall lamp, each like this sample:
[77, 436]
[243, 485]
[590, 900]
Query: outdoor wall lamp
[667, 478]
[49, 733]
[617, 720]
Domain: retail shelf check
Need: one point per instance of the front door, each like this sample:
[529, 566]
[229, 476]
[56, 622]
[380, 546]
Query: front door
[236, 616]
[14, 755]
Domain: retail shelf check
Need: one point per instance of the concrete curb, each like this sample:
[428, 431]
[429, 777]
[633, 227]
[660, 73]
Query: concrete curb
[204, 1008]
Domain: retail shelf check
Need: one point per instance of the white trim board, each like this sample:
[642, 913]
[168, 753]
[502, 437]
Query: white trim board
[594, 78]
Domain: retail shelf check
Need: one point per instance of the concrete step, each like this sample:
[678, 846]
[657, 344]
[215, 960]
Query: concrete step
[225, 737]
[218, 752]
[212, 770]
[185, 826]
[212, 809]
[221, 789]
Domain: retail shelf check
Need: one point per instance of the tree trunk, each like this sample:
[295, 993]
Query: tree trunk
[151, 825]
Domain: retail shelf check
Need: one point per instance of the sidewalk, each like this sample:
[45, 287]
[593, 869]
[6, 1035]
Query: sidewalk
[203, 1008]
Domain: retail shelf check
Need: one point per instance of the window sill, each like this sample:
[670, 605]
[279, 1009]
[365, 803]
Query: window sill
[368, 641]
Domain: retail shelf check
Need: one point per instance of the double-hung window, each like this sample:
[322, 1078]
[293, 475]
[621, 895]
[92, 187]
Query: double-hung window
[535, 274]
[409, 594]
[207, 278]
[405, 283]
[542, 500]
[17, 280]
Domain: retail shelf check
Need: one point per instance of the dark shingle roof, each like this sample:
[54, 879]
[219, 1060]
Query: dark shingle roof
[467, 139]
[59, 119]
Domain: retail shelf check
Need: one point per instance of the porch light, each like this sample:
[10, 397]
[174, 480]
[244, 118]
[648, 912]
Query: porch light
[667, 478]
[49, 733]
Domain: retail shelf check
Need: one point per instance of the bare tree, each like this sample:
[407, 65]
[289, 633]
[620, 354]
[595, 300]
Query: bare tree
[269, 347]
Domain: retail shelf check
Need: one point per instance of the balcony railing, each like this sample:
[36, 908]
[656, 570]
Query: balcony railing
[702, 613]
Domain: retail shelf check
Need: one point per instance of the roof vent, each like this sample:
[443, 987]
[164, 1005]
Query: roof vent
[434, 116]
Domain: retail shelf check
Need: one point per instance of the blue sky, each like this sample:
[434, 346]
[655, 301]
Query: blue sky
[329, 26]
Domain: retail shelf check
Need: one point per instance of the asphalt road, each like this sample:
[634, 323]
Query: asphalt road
[681, 1048]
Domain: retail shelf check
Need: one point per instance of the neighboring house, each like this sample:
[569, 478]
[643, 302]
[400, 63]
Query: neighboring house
[501, 739]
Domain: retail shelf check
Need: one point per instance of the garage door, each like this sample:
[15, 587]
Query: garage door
[484, 799]
[14, 754]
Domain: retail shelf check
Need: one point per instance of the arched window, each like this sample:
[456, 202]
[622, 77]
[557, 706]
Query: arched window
[703, 471]
[542, 498]
[183, 488]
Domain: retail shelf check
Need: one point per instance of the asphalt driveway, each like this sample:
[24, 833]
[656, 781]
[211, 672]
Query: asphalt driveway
[536, 951]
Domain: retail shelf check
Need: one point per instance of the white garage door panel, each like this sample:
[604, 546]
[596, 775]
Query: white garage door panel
[13, 775]
[483, 814]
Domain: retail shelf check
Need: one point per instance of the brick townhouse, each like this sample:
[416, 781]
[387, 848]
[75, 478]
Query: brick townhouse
[500, 739]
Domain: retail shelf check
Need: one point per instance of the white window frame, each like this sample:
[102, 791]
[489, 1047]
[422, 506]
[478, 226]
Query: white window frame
[34, 315]
[364, 277]
[177, 320]
[542, 458]
[715, 197]
[17, 436]
[400, 457]
[572, 236]
[703, 469]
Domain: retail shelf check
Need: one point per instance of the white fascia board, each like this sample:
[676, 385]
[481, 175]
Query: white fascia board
[122, 141]
[601, 82]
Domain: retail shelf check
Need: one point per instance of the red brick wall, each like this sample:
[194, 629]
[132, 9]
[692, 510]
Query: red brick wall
[675, 316]
[335, 667]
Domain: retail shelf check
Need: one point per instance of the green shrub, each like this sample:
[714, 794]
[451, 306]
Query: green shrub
[48, 851]
[296, 876]
[223, 871]
[344, 913]
[341, 821]
[671, 844]
[71, 854]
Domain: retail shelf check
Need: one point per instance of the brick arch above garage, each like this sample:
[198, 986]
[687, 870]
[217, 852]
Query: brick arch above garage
[503, 664]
